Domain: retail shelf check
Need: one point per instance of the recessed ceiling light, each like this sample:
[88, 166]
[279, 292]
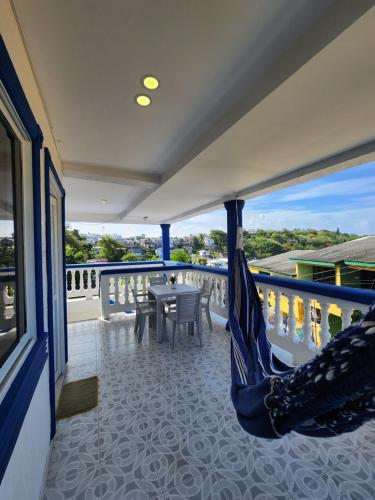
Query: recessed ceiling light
[145, 217]
[150, 82]
[143, 100]
[104, 201]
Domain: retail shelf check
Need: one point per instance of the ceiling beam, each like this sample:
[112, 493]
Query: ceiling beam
[110, 175]
[250, 91]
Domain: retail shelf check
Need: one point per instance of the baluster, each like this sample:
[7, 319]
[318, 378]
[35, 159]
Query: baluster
[292, 318]
[324, 323]
[278, 313]
[265, 306]
[81, 280]
[144, 288]
[346, 314]
[126, 277]
[307, 327]
[135, 283]
[183, 277]
[104, 296]
[222, 285]
[117, 290]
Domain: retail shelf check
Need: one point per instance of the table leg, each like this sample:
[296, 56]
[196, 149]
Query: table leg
[159, 328]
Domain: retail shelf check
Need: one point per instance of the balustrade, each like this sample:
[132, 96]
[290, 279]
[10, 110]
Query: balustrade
[298, 314]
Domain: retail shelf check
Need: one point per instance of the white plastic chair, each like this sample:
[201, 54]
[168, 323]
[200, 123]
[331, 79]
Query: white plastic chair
[206, 293]
[144, 309]
[185, 312]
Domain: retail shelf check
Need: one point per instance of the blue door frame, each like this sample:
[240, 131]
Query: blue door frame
[16, 402]
[49, 170]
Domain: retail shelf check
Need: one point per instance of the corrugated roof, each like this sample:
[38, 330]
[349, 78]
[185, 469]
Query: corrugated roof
[361, 250]
[280, 263]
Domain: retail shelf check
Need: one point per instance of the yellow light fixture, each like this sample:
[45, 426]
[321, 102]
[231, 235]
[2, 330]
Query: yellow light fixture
[143, 100]
[150, 82]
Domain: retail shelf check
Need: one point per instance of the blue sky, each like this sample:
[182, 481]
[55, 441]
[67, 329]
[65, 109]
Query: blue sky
[345, 199]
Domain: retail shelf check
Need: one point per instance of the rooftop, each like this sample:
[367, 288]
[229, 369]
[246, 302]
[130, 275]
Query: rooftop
[280, 263]
[361, 251]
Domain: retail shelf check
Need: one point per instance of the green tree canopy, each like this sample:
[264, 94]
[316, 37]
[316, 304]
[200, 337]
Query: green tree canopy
[130, 257]
[111, 249]
[78, 250]
[180, 255]
[220, 238]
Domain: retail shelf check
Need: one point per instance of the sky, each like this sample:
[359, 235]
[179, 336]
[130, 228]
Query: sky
[344, 200]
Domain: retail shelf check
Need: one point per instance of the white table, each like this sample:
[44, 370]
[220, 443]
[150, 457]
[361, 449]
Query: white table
[163, 292]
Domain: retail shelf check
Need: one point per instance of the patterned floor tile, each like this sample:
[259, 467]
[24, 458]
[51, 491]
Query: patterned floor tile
[83, 484]
[165, 429]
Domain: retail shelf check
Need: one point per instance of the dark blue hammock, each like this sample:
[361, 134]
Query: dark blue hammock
[331, 394]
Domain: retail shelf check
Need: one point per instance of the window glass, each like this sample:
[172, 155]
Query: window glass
[12, 293]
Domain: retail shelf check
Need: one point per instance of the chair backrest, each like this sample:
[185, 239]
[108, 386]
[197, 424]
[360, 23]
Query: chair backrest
[135, 297]
[157, 280]
[187, 306]
[207, 288]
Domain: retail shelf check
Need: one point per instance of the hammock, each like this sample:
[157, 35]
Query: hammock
[331, 394]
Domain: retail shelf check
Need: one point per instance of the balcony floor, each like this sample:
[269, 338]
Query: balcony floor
[165, 429]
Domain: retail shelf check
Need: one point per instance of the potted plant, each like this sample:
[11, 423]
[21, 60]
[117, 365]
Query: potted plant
[173, 280]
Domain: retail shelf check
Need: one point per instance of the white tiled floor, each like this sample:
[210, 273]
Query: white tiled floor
[165, 429]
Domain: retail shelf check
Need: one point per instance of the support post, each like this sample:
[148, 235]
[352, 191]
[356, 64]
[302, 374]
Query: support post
[165, 241]
[234, 219]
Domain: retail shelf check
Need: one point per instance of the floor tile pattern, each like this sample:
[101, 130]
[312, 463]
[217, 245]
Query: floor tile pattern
[165, 429]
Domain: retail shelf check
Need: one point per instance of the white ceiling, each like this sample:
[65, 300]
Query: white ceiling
[254, 94]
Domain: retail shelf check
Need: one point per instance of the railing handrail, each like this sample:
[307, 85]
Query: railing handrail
[165, 267]
[359, 295]
[113, 264]
[348, 294]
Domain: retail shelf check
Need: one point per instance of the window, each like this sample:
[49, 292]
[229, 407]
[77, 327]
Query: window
[324, 274]
[367, 279]
[12, 277]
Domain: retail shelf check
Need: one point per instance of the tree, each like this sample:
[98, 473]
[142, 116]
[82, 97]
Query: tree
[197, 259]
[198, 242]
[130, 257]
[111, 249]
[220, 238]
[180, 255]
[78, 250]
[260, 247]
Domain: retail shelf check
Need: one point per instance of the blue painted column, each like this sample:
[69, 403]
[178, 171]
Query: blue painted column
[165, 241]
[234, 219]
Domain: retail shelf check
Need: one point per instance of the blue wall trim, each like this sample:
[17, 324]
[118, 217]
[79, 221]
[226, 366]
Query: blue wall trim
[17, 400]
[14, 406]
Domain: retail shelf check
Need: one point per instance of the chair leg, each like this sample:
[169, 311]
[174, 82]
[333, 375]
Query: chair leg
[199, 334]
[164, 325]
[136, 325]
[173, 333]
[208, 314]
[142, 321]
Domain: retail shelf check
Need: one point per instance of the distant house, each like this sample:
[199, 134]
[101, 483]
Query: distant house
[347, 264]
[278, 265]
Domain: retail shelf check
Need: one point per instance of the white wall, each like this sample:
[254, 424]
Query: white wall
[23, 478]
[24, 475]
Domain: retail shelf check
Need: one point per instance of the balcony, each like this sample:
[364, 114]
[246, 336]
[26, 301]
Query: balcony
[165, 427]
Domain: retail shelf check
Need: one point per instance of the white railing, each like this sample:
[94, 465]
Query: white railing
[116, 295]
[298, 314]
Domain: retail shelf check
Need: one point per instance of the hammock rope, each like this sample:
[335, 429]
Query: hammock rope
[331, 394]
